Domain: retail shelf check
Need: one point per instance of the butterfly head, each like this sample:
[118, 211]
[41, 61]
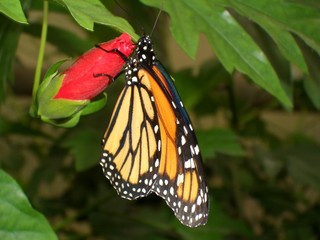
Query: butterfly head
[144, 51]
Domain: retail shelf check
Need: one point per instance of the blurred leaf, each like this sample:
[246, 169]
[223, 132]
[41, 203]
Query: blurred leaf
[232, 45]
[312, 87]
[18, 219]
[219, 140]
[13, 9]
[300, 232]
[85, 147]
[66, 41]
[8, 128]
[272, 164]
[311, 81]
[86, 13]
[218, 227]
[9, 36]
[192, 89]
[303, 163]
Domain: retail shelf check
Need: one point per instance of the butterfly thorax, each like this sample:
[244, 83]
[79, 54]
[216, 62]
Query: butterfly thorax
[144, 51]
[143, 56]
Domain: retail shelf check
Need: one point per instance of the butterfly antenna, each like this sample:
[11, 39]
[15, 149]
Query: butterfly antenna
[155, 23]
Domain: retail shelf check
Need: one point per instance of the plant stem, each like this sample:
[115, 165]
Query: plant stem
[43, 39]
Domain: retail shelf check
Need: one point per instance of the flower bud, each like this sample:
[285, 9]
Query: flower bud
[82, 81]
[62, 98]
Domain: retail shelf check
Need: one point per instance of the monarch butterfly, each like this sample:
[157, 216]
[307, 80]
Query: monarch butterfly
[150, 145]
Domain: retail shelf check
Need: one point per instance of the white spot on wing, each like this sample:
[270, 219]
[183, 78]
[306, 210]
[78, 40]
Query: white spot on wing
[173, 104]
[160, 182]
[191, 149]
[189, 163]
[172, 191]
[179, 150]
[156, 164]
[156, 128]
[185, 130]
[180, 179]
[193, 208]
[183, 140]
[185, 209]
[199, 200]
[196, 149]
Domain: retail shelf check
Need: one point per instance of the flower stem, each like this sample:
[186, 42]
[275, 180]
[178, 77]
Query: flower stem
[43, 39]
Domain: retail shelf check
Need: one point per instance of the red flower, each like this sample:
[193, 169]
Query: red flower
[79, 82]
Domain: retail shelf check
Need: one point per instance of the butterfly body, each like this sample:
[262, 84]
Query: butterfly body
[150, 145]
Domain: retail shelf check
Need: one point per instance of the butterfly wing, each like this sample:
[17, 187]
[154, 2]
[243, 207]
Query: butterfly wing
[131, 143]
[180, 178]
[150, 144]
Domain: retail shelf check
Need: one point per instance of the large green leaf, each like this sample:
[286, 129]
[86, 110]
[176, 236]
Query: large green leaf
[86, 13]
[286, 15]
[13, 9]
[279, 18]
[232, 44]
[18, 220]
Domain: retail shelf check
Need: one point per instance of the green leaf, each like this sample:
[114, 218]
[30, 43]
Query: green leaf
[86, 13]
[66, 41]
[311, 81]
[68, 122]
[312, 87]
[303, 163]
[232, 44]
[50, 76]
[192, 89]
[13, 9]
[95, 105]
[298, 18]
[9, 127]
[60, 108]
[9, 36]
[272, 17]
[85, 147]
[18, 219]
[219, 140]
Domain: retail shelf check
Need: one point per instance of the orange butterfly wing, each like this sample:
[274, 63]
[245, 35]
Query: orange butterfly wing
[150, 144]
[180, 178]
[131, 144]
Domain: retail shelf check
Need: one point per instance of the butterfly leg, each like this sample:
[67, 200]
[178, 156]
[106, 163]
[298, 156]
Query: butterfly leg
[115, 50]
[107, 75]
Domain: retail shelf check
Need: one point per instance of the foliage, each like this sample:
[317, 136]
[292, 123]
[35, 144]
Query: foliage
[261, 170]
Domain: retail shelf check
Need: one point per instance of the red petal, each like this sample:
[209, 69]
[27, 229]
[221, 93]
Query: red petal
[79, 82]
